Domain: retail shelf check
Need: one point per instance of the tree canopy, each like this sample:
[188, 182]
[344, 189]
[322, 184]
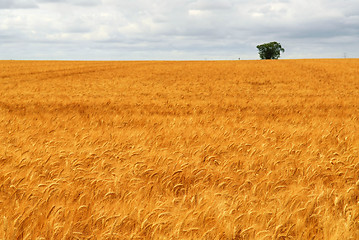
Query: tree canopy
[270, 50]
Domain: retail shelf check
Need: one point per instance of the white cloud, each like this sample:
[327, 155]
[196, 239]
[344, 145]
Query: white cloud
[198, 13]
[192, 29]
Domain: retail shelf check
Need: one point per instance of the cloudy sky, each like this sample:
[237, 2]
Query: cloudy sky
[176, 29]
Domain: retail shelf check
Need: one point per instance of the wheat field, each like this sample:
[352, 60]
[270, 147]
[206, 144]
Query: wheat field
[179, 150]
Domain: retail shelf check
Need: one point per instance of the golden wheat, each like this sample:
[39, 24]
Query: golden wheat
[179, 150]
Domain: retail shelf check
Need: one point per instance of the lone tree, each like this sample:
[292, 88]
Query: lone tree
[270, 50]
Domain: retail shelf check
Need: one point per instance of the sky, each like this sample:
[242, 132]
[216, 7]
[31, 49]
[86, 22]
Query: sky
[176, 29]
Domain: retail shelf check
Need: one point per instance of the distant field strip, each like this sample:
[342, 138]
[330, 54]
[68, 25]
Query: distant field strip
[179, 150]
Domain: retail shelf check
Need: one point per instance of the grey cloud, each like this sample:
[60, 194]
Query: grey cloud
[51, 1]
[180, 28]
[85, 2]
[17, 4]
[74, 2]
[212, 5]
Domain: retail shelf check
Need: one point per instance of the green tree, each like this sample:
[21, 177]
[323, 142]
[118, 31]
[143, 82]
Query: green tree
[270, 50]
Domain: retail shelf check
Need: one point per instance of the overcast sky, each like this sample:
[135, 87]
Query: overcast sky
[176, 29]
